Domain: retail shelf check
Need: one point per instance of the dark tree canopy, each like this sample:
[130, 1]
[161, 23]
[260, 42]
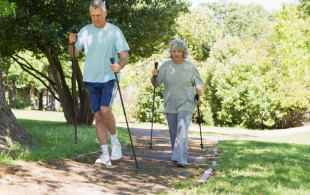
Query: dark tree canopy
[47, 23]
[42, 26]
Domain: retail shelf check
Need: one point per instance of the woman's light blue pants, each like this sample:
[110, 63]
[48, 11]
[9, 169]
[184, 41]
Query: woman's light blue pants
[178, 127]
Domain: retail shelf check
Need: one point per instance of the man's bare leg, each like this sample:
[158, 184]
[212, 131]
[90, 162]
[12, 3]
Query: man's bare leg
[101, 128]
[102, 134]
[109, 120]
[110, 124]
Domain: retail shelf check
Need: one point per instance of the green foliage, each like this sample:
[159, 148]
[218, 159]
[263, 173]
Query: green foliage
[233, 86]
[261, 83]
[305, 7]
[240, 20]
[15, 72]
[205, 113]
[40, 24]
[199, 30]
[291, 68]
[139, 76]
[147, 24]
[304, 11]
[15, 76]
[145, 102]
[6, 8]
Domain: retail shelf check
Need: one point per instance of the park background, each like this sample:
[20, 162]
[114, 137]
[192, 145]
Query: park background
[255, 63]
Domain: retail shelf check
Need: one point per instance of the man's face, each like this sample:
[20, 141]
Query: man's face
[98, 17]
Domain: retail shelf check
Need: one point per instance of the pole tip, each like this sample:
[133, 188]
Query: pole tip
[138, 170]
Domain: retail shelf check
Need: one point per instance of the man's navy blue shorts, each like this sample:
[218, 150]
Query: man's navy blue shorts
[101, 94]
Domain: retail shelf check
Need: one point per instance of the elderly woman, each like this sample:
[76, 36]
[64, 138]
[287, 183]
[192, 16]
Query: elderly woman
[180, 78]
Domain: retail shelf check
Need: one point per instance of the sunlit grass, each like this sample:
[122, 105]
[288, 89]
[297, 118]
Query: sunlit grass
[56, 140]
[251, 167]
[298, 138]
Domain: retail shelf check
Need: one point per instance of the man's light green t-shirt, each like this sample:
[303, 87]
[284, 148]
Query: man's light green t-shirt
[180, 81]
[100, 44]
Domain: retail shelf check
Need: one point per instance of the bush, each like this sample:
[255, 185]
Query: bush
[245, 87]
[145, 104]
[138, 76]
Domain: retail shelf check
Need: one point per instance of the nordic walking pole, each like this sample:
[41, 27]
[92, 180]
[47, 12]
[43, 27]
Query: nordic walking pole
[199, 119]
[73, 30]
[120, 94]
[156, 65]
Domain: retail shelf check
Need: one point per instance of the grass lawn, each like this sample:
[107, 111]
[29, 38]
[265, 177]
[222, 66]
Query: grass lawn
[299, 138]
[56, 140]
[254, 167]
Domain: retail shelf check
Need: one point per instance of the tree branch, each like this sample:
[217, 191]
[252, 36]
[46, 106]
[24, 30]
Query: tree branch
[26, 68]
[35, 70]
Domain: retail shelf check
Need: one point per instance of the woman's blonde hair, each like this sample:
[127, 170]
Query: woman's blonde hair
[180, 44]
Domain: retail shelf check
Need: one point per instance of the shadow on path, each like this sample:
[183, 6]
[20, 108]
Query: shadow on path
[81, 176]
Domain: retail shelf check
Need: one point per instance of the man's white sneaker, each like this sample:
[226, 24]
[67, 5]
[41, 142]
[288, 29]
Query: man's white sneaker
[104, 159]
[116, 151]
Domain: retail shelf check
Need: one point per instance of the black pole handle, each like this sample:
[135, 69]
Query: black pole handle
[197, 97]
[73, 30]
[156, 65]
[112, 60]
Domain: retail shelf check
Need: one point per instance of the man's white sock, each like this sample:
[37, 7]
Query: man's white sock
[114, 138]
[105, 149]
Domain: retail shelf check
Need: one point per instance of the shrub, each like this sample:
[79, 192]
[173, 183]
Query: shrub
[245, 87]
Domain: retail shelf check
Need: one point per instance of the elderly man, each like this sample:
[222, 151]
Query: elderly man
[101, 41]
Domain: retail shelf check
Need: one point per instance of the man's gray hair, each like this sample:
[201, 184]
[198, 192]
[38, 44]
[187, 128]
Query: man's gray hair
[96, 4]
[180, 44]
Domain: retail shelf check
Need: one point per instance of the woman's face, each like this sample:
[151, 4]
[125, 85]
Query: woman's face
[177, 54]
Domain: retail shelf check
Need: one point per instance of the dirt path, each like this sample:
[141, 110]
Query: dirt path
[81, 176]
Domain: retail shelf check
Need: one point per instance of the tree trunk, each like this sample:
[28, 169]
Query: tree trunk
[86, 115]
[9, 126]
[32, 97]
[41, 101]
[83, 110]
[12, 91]
[12, 94]
[50, 98]
[50, 102]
